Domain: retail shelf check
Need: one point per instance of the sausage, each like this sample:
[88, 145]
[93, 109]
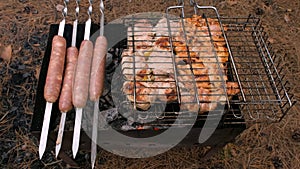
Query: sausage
[82, 74]
[65, 99]
[55, 69]
[98, 68]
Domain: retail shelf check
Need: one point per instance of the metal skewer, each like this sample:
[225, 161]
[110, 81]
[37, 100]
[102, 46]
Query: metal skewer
[47, 116]
[63, 114]
[96, 104]
[94, 134]
[78, 117]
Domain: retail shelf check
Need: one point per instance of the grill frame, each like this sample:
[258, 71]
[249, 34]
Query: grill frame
[270, 76]
[272, 86]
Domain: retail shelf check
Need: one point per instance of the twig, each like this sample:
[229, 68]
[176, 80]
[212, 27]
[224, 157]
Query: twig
[55, 162]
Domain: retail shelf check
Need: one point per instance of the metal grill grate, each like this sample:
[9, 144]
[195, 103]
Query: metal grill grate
[263, 92]
[266, 90]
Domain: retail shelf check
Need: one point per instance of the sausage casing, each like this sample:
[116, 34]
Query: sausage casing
[98, 68]
[65, 99]
[82, 74]
[55, 69]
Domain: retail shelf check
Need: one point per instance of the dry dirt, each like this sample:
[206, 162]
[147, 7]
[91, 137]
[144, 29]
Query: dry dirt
[24, 27]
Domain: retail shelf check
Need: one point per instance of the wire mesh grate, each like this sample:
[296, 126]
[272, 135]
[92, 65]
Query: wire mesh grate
[266, 91]
[164, 69]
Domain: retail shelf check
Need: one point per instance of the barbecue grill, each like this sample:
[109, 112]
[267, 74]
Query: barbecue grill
[264, 92]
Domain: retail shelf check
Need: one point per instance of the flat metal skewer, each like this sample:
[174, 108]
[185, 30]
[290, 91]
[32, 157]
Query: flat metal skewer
[45, 128]
[63, 114]
[96, 104]
[78, 117]
[47, 115]
[60, 133]
[94, 134]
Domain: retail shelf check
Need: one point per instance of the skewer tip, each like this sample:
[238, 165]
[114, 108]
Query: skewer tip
[41, 152]
[93, 164]
[76, 135]
[94, 133]
[57, 149]
[60, 133]
[93, 154]
[45, 128]
[74, 150]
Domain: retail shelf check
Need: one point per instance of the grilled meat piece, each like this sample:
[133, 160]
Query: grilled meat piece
[140, 93]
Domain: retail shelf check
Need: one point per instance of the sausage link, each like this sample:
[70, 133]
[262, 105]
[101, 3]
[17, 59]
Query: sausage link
[82, 75]
[65, 99]
[98, 68]
[55, 69]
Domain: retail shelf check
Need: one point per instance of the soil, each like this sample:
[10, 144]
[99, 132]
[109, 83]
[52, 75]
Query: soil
[24, 28]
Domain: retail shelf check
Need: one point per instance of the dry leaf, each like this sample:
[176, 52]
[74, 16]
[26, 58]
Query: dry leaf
[1, 48]
[29, 112]
[271, 40]
[287, 18]
[17, 50]
[6, 53]
[231, 2]
[59, 8]
[37, 72]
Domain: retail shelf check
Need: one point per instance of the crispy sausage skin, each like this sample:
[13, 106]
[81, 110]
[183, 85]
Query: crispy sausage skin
[98, 68]
[55, 69]
[82, 74]
[65, 99]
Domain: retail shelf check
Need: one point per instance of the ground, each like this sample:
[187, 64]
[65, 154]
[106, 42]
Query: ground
[23, 39]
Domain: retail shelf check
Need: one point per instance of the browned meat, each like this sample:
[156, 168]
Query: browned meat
[82, 74]
[55, 69]
[65, 99]
[201, 56]
[98, 68]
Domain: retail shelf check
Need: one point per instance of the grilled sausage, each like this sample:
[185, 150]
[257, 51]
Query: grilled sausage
[98, 68]
[65, 99]
[55, 69]
[82, 74]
